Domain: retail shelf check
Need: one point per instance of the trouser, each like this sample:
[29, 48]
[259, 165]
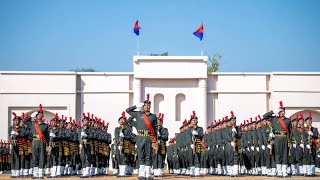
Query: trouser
[281, 149]
[39, 154]
[86, 155]
[115, 164]
[144, 149]
[158, 161]
[15, 158]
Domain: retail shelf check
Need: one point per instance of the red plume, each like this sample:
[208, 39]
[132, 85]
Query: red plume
[310, 114]
[184, 122]
[148, 97]
[70, 119]
[107, 125]
[211, 123]
[290, 118]
[193, 113]
[88, 115]
[244, 122]
[65, 119]
[256, 118]
[123, 114]
[162, 116]
[297, 116]
[281, 105]
[301, 115]
[14, 114]
[232, 114]
[215, 121]
[56, 116]
[40, 107]
[103, 122]
[27, 115]
[159, 115]
[250, 120]
[22, 116]
[79, 123]
[62, 117]
[226, 118]
[259, 117]
[84, 115]
[92, 116]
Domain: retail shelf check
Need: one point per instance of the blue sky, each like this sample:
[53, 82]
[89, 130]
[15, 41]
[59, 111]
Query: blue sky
[250, 35]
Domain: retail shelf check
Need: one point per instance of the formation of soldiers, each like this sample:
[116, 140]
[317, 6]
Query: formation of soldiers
[272, 145]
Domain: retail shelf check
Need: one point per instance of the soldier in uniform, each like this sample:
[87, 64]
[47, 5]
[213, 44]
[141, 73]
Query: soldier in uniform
[232, 138]
[180, 143]
[282, 128]
[159, 156]
[85, 136]
[146, 125]
[16, 133]
[115, 165]
[122, 135]
[292, 169]
[40, 131]
[54, 142]
[311, 135]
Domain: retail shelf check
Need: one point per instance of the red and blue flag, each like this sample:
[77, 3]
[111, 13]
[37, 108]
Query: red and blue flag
[136, 28]
[199, 32]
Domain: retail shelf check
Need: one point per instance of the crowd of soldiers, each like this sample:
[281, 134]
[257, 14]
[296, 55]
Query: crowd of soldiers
[272, 145]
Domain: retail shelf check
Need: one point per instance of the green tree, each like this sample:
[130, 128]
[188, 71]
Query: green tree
[163, 54]
[83, 70]
[214, 63]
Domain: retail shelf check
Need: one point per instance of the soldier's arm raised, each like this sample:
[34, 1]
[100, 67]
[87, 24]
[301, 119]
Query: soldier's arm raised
[268, 115]
[27, 121]
[165, 134]
[131, 111]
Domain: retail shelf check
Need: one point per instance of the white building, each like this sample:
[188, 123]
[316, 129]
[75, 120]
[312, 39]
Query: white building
[177, 85]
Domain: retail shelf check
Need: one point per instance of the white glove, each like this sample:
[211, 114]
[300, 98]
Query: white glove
[208, 148]
[318, 155]
[301, 145]
[294, 145]
[140, 104]
[194, 132]
[248, 149]
[14, 133]
[34, 114]
[310, 133]
[308, 146]
[252, 148]
[271, 135]
[217, 146]
[269, 146]
[257, 149]
[263, 147]
[234, 130]
[52, 135]
[192, 146]
[158, 134]
[83, 134]
[119, 147]
[121, 134]
[222, 147]
[233, 144]
[135, 146]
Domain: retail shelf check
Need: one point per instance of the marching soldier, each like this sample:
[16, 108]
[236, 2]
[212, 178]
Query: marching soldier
[282, 128]
[159, 156]
[115, 165]
[16, 134]
[194, 138]
[85, 136]
[40, 131]
[54, 144]
[146, 125]
[232, 138]
[122, 135]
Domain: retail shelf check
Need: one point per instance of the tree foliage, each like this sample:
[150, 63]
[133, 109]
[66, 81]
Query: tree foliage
[163, 54]
[83, 70]
[214, 63]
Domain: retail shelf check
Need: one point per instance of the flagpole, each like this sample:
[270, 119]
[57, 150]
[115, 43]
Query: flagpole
[201, 44]
[138, 46]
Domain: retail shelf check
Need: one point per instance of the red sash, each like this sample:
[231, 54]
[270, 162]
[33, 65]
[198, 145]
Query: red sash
[146, 120]
[283, 125]
[41, 136]
[203, 145]
[299, 129]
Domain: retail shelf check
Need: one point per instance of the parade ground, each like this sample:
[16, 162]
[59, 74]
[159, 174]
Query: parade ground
[169, 176]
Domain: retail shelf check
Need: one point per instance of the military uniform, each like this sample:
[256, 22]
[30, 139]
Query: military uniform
[282, 129]
[85, 137]
[40, 131]
[145, 139]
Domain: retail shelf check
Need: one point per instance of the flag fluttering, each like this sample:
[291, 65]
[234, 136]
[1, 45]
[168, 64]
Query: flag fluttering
[199, 32]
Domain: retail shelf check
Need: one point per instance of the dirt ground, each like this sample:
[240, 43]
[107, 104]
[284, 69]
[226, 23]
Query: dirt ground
[168, 176]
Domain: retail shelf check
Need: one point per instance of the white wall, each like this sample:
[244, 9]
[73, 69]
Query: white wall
[108, 94]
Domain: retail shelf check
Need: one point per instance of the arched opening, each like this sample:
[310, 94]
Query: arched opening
[180, 100]
[158, 103]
